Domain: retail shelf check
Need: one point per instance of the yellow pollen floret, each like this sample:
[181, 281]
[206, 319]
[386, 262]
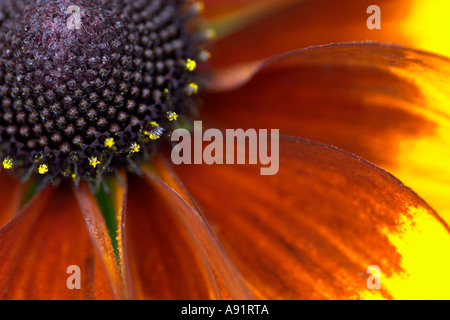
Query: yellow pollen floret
[204, 55]
[199, 7]
[43, 169]
[135, 147]
[156, 131]
[210, 34]
[191, 64]
[192, 88]
[153, 136]
[38, 157]
[167, 95]
[109, 143]
[93, 161]
[7, 163]
[172, 116]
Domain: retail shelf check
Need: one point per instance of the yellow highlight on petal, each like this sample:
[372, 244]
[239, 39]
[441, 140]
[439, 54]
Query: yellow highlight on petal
[423, 162]
[43, 169]
[427, 25]
[424, 166]
[423, 243]
[7, 163]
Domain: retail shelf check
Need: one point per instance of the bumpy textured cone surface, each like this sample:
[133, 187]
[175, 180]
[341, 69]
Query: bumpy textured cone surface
[85, 89]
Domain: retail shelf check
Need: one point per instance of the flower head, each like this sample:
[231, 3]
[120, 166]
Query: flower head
[71, 94]
[87, 90]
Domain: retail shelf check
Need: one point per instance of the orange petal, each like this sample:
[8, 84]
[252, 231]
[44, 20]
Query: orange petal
[120, 194]
[309, 23]
[217, 6]
[167, 259]
[228, 280]
[38, 246]
[227, 17]
[10, 197]
[387, 104]
[312, 230]
[99, 233]
[217, 9]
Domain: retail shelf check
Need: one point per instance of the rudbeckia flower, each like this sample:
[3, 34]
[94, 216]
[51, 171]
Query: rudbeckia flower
[94, 208]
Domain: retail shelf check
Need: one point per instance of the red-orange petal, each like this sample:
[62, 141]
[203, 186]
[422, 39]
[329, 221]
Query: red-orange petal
[167, 257]
[217, 9]
[310, 23]
[387, 104]
[120, 194]
[312, 230]
[99, 234]
[10, 197]
[162, 262]
[38, 246]
[228, 281]
[227, 17]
